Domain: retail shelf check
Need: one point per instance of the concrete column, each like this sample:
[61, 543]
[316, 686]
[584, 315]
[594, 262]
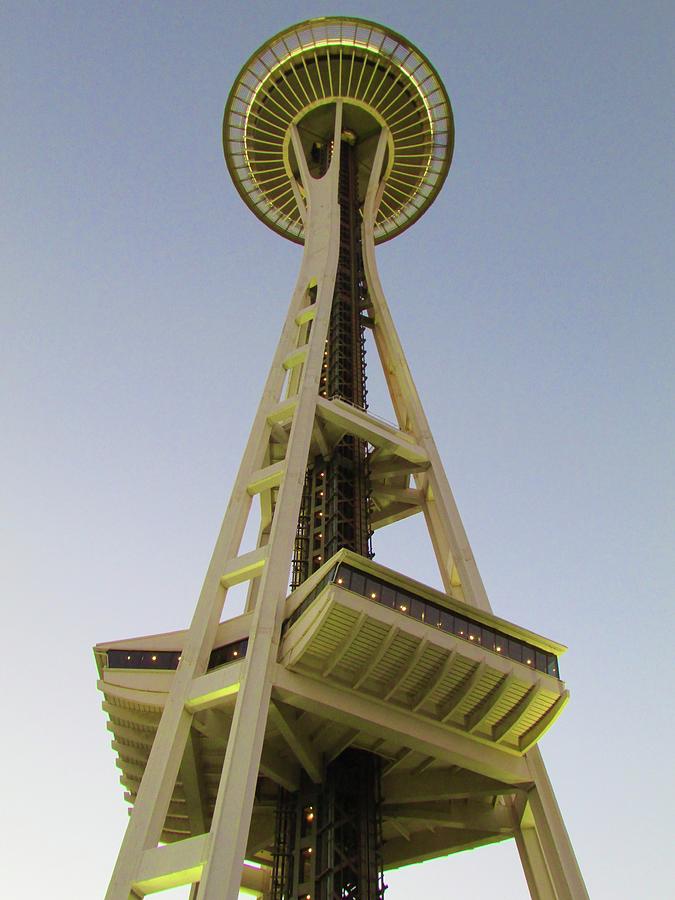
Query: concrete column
[552, 836]
[232, 814]
[534, 864]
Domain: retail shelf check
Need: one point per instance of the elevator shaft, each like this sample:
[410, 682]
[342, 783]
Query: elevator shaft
[329, 835]
[335, 511]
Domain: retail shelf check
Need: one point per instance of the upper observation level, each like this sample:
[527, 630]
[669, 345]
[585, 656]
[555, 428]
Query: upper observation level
[296, 78]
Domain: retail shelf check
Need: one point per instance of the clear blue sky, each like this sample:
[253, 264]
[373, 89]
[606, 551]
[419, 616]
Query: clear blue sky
[141, 302]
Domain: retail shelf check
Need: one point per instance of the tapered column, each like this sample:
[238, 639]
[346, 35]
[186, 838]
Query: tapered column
[534, 864]
[451, 544]
[154, 794]
[552, 835]
[232, 814]
[547, 855]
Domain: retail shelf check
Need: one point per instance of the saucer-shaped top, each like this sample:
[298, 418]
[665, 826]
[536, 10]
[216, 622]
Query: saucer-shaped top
[381, 78]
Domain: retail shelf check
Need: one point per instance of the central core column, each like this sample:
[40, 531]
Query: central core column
[336, 500]
[329, 836]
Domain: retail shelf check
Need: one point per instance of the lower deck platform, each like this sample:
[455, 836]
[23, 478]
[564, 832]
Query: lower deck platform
[448, 697]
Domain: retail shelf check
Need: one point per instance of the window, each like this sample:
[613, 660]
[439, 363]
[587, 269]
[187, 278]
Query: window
[358, 582]
[461, 627]
[308, 818]
[474, 633]
[305, 864]
[388, 596]
[488, 638]
[403, 601]
[446, 621]
[417, 609]
[515, 650]
[343, 576]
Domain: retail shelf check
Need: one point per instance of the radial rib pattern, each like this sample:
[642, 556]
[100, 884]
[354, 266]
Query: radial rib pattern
[316, 63]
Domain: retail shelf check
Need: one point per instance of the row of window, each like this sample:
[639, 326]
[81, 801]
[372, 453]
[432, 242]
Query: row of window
[169, 659]
[439, 617]
[380, 592]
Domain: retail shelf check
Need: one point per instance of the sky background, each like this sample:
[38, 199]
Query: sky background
[141, 303]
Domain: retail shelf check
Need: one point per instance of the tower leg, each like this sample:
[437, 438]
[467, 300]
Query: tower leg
[552, 835]
[247, 732]
[456, 563]
[548, 857]
[534, 864]
[234, 803]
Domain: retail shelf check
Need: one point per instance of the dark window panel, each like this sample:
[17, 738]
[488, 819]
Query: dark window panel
[446, 621]
[417, 609]
[474, 633]
[432, 615]
[388, 596]
[488, 638]
[461, 627]
[358, 583]
[515, 650]
[403, 601]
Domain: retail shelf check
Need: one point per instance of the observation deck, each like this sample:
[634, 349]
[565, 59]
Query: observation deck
[295, 78]
[398, 668]
[367, 629]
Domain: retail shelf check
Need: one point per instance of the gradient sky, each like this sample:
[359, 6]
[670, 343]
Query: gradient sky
[141, 303]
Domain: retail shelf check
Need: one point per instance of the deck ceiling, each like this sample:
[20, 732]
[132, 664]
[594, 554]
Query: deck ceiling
[353, 644]
[450, 810]
[449, 719]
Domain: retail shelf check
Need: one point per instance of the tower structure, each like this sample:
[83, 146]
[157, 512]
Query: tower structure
[358, 720]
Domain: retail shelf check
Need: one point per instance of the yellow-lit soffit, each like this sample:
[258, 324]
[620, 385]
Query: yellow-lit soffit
[320, 61]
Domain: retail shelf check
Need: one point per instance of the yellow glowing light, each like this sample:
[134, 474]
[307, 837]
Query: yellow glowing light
[172, 880]
[213, 696]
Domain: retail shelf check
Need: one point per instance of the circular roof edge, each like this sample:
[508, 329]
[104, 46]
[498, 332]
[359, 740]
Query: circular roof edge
[323, 60]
